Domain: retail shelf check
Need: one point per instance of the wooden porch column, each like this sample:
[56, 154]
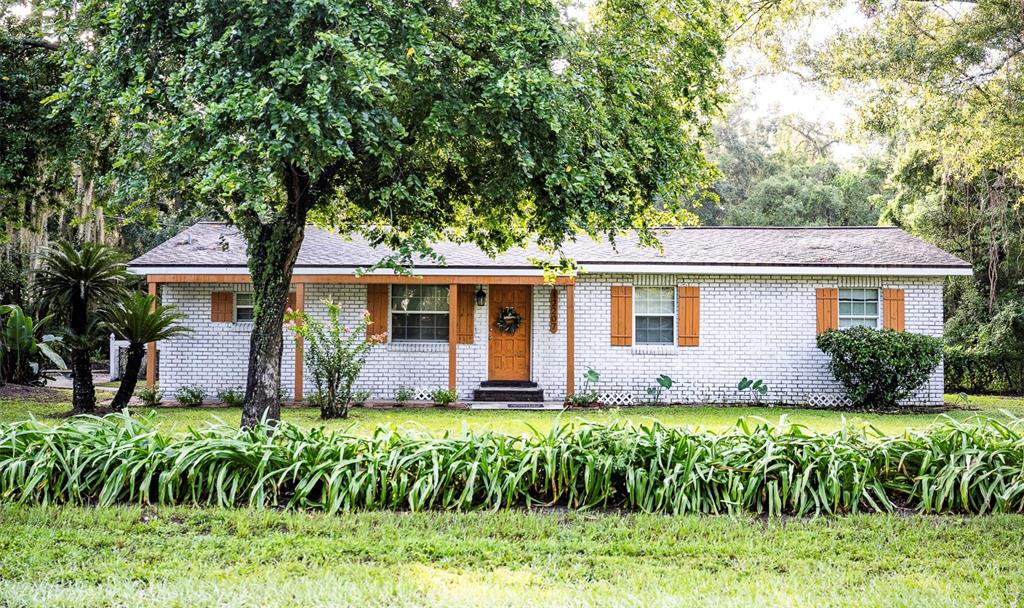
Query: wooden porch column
[300, 306]
[453, 331]
[151, 347]
[570, 340]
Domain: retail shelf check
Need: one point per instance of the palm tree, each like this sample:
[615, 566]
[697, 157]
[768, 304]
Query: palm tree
[138, 319]
[77, 281]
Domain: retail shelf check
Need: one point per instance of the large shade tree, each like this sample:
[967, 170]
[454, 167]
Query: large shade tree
[484, 121]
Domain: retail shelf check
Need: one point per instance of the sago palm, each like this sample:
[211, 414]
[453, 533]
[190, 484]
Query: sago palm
[138, 319]
[76, 281]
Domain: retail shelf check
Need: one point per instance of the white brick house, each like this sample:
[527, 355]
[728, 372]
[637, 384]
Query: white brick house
[712, 306]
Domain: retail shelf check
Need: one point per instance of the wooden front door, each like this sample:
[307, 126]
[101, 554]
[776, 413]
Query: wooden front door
[508, 355]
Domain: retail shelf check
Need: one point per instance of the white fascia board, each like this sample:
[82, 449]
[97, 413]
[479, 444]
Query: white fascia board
[300, 271]
[888, 271]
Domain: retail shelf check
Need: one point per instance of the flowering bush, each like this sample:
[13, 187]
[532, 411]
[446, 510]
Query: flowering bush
[336, 354]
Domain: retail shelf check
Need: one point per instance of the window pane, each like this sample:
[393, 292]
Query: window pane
[858, 307]
[419, 327]
[243, 314]
[654, 330]
[654, 301]
[243, 299]
[419, 298]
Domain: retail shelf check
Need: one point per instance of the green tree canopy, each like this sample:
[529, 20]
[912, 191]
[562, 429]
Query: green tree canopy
[484, 121]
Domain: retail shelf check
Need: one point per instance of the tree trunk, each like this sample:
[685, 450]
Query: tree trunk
[130, 377]
[272, 249]
[83, 396]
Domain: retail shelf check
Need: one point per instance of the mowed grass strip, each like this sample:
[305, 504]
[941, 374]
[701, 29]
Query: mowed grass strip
[438, 421]
[203, 557]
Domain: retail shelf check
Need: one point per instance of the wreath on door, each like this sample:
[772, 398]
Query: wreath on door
[508, 320]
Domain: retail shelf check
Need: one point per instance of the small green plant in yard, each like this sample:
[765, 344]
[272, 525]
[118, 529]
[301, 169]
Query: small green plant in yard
[879, 368]
[360, 397]
[661, 383]
[444, 396]
[190, 395]
[150, 396]
[588, 395]
[404, 394]
[232, 397]
[336, 353]
[757, 388]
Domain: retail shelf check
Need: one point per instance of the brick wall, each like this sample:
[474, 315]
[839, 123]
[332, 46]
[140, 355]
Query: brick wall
[759, 327]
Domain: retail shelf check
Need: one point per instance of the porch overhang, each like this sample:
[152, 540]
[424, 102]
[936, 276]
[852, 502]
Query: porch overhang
[155, 278]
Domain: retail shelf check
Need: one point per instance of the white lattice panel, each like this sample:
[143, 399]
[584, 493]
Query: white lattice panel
[617, 398]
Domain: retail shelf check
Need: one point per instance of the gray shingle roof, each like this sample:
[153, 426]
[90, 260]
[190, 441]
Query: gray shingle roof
[211, 244]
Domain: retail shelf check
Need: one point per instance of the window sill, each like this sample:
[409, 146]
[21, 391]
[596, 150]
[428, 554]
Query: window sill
[418, 347]
[654, 349]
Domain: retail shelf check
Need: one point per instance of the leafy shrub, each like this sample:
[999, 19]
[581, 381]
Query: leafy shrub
[878, 368]
[232, 397]
[444, 396]
[190, 395]
[949, 468]
[360, 397]
[404, 394]
[315, 399]
[336, 354]
[24, 350]
[150, 396]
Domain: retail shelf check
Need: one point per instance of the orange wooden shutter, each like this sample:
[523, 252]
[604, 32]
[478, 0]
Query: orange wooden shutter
[293, 302]
[466, 309]
[828, 308]
[622, 315]
[893, 309]
[222, 304]
[377, 305]
[689, 316]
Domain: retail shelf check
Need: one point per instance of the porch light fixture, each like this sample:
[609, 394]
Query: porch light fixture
[481, 296]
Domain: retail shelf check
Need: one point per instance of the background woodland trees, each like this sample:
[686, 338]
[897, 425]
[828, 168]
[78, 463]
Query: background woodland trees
[938, 131]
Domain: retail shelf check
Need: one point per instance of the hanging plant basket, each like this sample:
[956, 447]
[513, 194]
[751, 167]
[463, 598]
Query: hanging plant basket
[508, 320]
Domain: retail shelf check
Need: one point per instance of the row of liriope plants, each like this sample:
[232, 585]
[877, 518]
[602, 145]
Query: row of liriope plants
[756, 468]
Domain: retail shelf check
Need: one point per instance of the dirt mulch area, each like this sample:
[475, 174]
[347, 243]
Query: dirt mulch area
[100, 411]
[20, 392]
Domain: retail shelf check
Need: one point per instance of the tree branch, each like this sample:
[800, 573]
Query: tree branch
[39, 44]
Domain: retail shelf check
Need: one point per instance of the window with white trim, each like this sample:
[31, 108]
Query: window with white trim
[243, 308]
[419, 313]
[654, 314]
[858, 308]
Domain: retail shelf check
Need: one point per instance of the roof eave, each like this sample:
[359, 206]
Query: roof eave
[594, 267]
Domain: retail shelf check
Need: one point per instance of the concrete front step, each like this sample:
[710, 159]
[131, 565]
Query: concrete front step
[509, 393]
[517, 405]
[508, 384]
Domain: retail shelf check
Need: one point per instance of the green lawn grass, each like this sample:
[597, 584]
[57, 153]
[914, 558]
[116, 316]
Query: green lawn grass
[194, 557]
[440, 420]
[169, 557]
